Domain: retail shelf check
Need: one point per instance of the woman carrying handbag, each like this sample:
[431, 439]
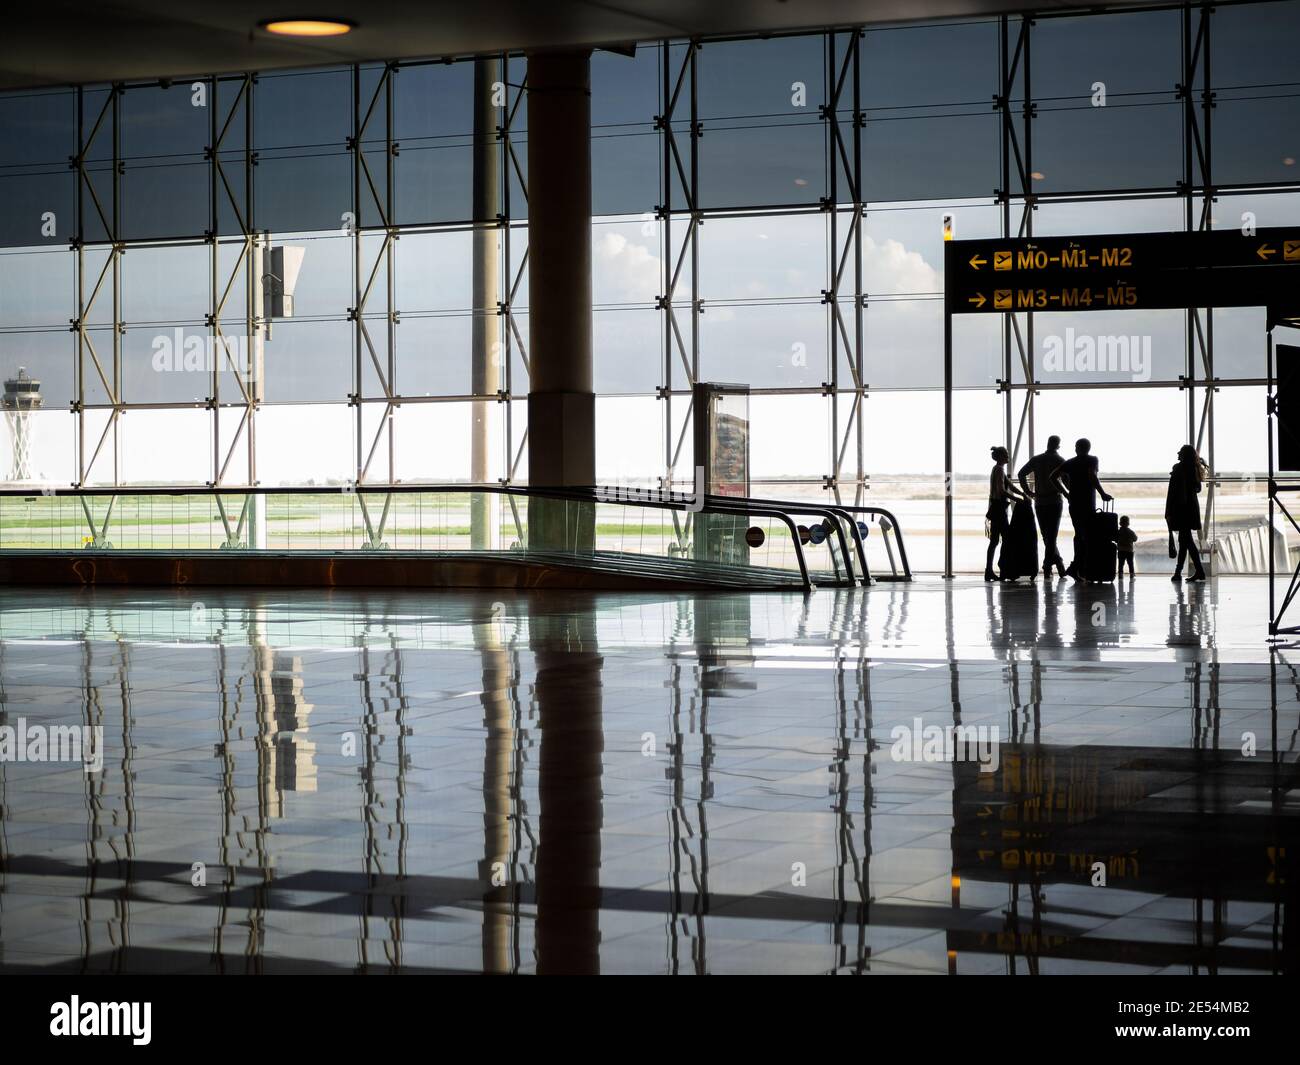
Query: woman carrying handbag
[1183, 510]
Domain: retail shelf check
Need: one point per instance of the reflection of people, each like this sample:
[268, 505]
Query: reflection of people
[1077, 479]
[1001, 492]
[1125, 541]
[1047, 500]
[1183, 509]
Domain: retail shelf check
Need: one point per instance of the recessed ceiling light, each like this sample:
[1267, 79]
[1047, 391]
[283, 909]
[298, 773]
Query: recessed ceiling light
[307, 27]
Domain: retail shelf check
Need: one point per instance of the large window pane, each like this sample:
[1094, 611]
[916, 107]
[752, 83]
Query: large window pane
[789, 438]
[165, 284]
[164, 185]
[625, 149]
[1110, 346]
[37, 288]
[303, 108]
[1241, 442]
[1256, 120]
[37, 138]
[930, 129]
[1260, 210]
[37, 206]
[1240, 343]
[48, 356]
[309, 361]
[167, 364]
[629, 440]
[629, 350]
[1104, 91]
[904, 345]
[763, 257]
[433, 442]
[763, 165]
[625, 264]
[282, 459]
[763, 142]
[435, 271]
[768, 346]
[39, 126]
[302, 190]
[186, 457]
[325, 281]
[303, 177]
[433, 355]
[761, 78]
[51, 448]
[1134, 431]
[1156, 215]
[435, 181]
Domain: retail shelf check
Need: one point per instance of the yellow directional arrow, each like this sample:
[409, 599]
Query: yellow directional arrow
[1265, 251]
[978, 299]
[976, 262]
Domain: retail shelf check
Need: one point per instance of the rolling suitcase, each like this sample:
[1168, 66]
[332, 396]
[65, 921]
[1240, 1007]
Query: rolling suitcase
[1102, 549]
[1019, 555]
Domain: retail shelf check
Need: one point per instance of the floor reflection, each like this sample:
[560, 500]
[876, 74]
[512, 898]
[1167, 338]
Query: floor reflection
[557, 782]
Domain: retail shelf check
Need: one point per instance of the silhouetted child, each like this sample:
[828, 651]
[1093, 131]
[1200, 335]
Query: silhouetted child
[1124, 541]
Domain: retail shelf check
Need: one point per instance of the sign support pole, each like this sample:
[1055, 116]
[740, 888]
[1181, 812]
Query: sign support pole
[947, 442]
[1272, 493]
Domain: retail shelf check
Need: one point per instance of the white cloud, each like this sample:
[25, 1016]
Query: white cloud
[890, 269]
[624, 271]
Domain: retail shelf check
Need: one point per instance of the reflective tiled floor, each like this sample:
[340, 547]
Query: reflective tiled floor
[310, 781]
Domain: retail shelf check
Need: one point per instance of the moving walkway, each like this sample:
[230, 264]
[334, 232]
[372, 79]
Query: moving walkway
[426, 535]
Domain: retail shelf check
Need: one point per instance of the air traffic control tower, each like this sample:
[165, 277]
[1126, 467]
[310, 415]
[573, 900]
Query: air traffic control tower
[22, 395]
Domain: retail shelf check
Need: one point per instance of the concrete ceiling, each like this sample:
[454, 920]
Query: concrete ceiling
[51, 42]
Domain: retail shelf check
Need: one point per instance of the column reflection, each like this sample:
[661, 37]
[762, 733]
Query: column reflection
[568, 693]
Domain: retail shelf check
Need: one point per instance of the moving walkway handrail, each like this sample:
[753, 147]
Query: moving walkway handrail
[761, 508]
[834, 513]
[828, 513]
[880, 512]
[748, 505]
[894, 526]
[712, 504]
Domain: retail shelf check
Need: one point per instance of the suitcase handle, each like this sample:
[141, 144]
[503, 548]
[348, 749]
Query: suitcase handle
[1106, 505]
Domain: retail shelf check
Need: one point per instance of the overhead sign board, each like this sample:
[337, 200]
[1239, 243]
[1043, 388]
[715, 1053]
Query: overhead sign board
[1223, 268]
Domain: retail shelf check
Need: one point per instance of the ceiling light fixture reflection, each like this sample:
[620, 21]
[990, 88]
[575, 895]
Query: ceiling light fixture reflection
[307, 27]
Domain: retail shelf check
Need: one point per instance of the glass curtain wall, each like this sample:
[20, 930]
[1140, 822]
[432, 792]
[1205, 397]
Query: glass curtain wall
[768, 212]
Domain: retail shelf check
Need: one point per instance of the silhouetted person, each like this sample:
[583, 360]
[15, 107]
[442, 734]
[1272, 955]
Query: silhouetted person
[1001, 492]
[1183, 509]
[1124, 544]
[1047, 499]
[1077, 480]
